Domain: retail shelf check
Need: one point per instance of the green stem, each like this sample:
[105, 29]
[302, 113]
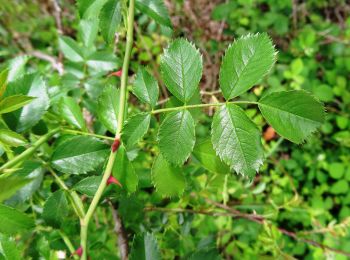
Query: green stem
[21, 157]
[77, 132]
[112, 156]
[170, 109]
[68, 243]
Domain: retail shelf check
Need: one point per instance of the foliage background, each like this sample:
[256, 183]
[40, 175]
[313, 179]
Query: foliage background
[303, 189]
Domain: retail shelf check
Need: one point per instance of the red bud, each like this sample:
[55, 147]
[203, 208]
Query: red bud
[116, 73]
[78, 252]
[115, 144]
[111, 180]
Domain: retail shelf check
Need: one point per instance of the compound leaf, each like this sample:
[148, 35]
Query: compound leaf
[135, 128]
[111, 16]
[154, 9]
[56, 209]
[71, 112]
[108, 108]
[70, 48]
[146, 87]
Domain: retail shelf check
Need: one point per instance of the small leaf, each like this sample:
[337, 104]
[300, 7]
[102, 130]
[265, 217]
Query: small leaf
[245, 63]
[56, 209]
[10, 184]
[3, 81]
[80, 154]
[146, 87]
[111, 16]
[236, 139]
[24, 118]
[145, 247]
[293, 114]
[108, 108]
[11, 138]
[124, 171]
[12, 103]
[135, 128]
[90, 8]
[13, 221]
[154, 9]
[177, 136]
[102, 61]
[70, 48]
[9, 248]
[89, 185]
[206, 155]
[71, 112]
[168, 179]
[88, 30]
[16, 67]
[181, 68]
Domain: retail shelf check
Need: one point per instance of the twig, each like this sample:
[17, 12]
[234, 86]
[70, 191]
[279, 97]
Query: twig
[57, 65]
[120, 231]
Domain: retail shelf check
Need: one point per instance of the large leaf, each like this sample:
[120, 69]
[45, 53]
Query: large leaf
[12, 103]
[70, 48]
[206, 155]
[90, 8]
[245, 63]
[33, 174]
[236, 139]
[30, 85]
[88, 30]
[11, 138]
[168, 179]
[124, 171]
[79, 155]
[177, 136]
[102, 61]
[56, 209]
[13, 221]
[9, 248]
[154, 9]
[146, 87]
[145, 247]
[135, 128]
[181, 68]
[108, 108]
[111, 16]
[89, 185]
[10, 184]
[293, 114]
[71, 112]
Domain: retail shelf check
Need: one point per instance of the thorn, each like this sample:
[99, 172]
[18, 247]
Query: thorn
[78, 252]
[112, 180]
[115, 144]
[116, 73]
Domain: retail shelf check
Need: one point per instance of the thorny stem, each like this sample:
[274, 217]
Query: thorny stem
[123, 88]
[170, 109]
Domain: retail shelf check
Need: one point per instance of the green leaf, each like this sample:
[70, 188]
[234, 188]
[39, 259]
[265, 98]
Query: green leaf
[111, 16]
[181, 68]
[206, 155]
[102, 61]
[135, 128]
[108, 108]
[245, 63]
[33, 174]
[236, 140]
[70, 48]
[145, 247]
[80, 154]
[90, 8]
[88, 186]
[146, 87]
[30, 85]
[124, 171]
[16, 67]
[10, 184]
[13, 221]
[88, 30]
[168, 179]
[177, 136]
[11, 138]
[56, 209]
[3, 81]
[12, 103]
[154, 9]
[293, 114]
[71, 112]
[9, 248]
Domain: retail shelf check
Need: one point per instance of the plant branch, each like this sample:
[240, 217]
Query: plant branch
[170, 109]
[77, 132]
[21, 157]
[112, 156]
[122, 236]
